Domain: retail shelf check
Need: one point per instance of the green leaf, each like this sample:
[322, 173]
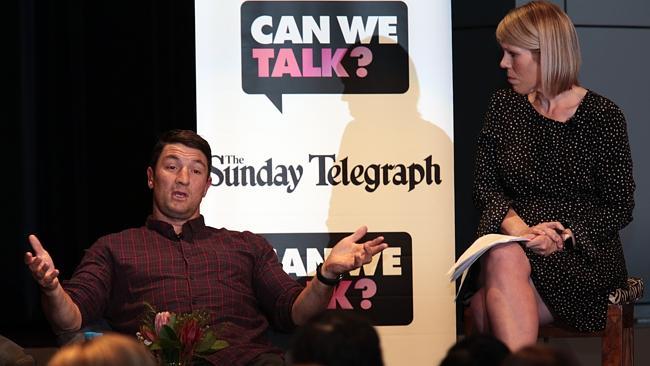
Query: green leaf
[206, 342]
[167, 333]
[219, 344]
[169, 356]
[168, 344]
[148, 307]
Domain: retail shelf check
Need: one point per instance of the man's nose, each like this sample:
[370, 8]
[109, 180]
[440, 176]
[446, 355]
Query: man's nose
[183, 176]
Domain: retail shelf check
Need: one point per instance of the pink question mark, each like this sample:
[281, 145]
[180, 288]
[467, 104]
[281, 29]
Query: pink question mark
[368, 289]
[365, 58]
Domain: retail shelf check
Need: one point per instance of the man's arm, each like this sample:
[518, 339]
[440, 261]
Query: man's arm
[346, 255]
[61, 311]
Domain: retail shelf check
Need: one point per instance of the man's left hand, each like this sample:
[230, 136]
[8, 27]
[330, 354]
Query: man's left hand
[348, 255]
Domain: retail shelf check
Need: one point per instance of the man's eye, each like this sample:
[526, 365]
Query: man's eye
[196, 171]
[171, 167]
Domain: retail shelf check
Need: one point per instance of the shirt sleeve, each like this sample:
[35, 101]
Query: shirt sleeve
[488, 193]
[612, 210]
[90, 285]
[275, 290]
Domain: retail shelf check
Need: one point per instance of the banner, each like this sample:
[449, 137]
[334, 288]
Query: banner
[327, 115]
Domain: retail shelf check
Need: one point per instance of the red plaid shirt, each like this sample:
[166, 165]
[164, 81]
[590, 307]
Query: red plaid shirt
[236, 276]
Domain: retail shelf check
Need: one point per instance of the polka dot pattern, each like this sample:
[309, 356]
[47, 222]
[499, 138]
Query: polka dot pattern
[577, 172]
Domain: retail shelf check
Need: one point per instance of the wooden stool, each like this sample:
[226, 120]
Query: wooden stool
[617, 339]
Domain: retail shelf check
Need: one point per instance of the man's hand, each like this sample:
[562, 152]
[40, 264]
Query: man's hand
[347, 254]
[63, 313]
[41, 265]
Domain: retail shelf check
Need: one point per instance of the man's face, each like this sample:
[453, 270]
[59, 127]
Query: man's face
[180, 181]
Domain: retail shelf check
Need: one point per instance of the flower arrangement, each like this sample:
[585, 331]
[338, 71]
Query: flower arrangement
[179, 339]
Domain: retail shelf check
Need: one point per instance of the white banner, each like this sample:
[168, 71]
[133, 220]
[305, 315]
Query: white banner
[324, 116]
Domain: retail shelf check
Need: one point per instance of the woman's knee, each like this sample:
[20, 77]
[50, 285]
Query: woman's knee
[506, 258]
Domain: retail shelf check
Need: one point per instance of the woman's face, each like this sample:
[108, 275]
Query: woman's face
[522, 66]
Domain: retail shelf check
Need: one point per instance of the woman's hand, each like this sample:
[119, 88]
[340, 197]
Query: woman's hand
[552, 230]
[567, 234]
[542, 244]
[547, 237]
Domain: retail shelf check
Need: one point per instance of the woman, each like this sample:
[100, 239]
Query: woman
[553, 165]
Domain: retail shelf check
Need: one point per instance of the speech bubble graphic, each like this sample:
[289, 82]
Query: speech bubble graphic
[388, 302]
[368, 289]
[324, 47]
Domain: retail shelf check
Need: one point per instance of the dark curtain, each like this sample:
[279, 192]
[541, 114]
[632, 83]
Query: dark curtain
[477, 75]
[93, 83]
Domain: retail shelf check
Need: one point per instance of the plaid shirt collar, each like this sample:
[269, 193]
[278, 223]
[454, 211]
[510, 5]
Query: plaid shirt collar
[192, 228]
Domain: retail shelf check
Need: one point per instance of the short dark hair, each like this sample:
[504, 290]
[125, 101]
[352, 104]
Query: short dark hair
[476, 350]
[185, 137]
[337, 338]
[541, 355]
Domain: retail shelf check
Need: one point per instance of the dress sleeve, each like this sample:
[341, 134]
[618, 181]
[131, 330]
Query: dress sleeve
[91, 283]
[489, 196]
[615, 186]
[275, 290]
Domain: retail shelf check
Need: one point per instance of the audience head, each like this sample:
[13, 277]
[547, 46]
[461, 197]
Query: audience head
[183, 137]
[476, 350]
[540, 355]
[336, 338]
[105, 350]
[12, 354]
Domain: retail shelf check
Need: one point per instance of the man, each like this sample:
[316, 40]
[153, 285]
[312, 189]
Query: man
[178, 264]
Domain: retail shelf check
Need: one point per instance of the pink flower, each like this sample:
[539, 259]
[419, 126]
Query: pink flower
[179, 343]
[190, 334]
[148, 334]
[161, 319]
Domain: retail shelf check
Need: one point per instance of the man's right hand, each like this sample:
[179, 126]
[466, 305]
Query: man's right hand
[63, 313]
[41, 265]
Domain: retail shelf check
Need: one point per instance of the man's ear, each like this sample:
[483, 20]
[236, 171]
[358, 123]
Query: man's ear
[208, 184]
[150, 177]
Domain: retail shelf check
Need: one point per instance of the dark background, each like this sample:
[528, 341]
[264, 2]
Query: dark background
[92, 84]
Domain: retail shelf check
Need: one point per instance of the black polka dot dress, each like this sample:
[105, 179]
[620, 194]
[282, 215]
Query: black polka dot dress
[577, 172]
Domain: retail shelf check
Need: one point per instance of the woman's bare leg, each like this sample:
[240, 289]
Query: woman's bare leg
[479, 312]
[510, 299]
[545, 316]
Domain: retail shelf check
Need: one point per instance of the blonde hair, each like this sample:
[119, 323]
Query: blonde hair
[544, 28]
[105, 350]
